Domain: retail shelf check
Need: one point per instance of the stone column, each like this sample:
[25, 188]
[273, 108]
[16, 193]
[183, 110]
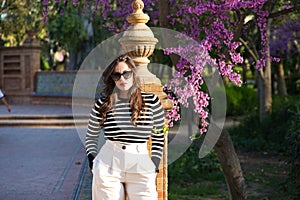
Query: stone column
[138, 42]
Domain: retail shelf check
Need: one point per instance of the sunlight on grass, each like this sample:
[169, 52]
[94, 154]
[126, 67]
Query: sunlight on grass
[204, 189]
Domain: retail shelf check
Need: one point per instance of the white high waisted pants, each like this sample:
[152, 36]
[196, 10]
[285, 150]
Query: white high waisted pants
[118, 168]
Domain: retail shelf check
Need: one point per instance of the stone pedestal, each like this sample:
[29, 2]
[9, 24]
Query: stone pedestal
[138, 42]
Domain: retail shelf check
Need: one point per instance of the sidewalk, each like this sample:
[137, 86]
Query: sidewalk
[42, 162]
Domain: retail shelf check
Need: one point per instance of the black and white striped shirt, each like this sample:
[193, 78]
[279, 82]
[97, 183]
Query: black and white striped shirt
[118, 126]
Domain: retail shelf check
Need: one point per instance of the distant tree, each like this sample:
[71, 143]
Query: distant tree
[76, 28]
[17, 18]
[284, 43]
[67, 31]
[257, 35]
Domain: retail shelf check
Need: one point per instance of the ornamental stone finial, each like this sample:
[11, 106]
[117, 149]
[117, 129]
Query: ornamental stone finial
[138, 16]
[138, 41]
[138, 6]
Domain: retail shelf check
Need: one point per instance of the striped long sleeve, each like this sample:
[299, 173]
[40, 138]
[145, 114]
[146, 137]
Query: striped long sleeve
[93, 130]
[157, 132]
[118, 126]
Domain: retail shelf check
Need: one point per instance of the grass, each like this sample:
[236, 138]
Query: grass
[197, 190]
[265, 179]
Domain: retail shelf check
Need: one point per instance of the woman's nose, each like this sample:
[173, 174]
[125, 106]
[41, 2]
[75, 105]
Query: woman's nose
[122, 77]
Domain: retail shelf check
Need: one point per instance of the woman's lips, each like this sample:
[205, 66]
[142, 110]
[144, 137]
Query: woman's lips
[123, 84]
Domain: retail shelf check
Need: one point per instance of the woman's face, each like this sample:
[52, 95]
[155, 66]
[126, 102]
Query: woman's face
[122, 76]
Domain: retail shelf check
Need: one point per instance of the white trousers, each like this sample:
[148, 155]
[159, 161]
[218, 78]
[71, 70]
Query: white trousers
[118, 168]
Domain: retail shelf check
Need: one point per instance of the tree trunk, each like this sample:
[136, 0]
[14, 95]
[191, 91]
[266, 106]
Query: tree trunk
[244, 73]
[261, 95]
[265, 93]
[265, 84]
[164, 11]
[281, 86]
[231, 167]
[268, 79]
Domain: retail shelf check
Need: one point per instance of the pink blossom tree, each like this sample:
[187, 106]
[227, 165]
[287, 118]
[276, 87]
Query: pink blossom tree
[224, 28]
[221, 27]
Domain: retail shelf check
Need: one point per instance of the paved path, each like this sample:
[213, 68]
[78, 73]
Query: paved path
[36, 110]
[41, 163]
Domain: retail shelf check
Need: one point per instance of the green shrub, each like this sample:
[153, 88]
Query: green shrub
[44, 63]
[293, 83]
[190, 169]
[240, 100]
[190, 177]
[293, 151]
[270, 135]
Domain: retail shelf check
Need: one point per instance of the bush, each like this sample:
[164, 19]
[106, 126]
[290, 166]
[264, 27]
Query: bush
[190, 169]
[293, 150]
[270, 135]
[44, 63]
[293, 83]
[241, 100]
[190, 177]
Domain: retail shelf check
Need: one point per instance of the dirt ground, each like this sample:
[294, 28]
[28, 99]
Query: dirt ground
[264, 175]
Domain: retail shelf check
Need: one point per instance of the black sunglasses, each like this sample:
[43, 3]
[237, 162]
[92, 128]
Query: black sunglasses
[116, 76]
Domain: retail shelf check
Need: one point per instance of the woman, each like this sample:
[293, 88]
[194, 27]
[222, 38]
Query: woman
[128, 118]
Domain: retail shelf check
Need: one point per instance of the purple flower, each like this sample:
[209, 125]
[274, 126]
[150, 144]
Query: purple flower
[45, 2]
[211, 24]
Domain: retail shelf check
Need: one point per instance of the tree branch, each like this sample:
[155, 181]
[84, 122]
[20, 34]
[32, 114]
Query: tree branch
[253, 53]
[283, 12]
[238, 30]
[253, 45]
[249, 49]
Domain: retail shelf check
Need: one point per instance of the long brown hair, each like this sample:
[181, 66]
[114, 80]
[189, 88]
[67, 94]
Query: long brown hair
[111, 92]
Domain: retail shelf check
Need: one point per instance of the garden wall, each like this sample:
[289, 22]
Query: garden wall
[58, 87]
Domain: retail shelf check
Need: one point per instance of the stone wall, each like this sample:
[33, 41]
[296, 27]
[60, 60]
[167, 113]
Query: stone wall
[54, 83]
[17, 70]
[53, 87]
